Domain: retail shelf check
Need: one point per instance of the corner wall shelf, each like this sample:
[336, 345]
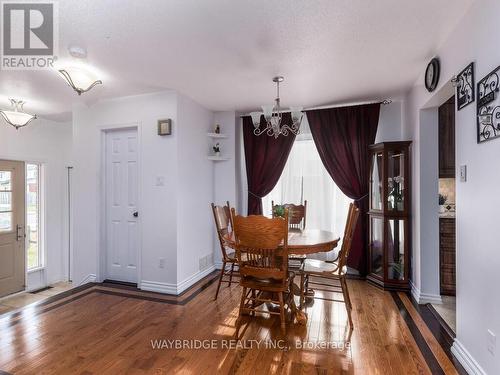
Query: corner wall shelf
[217, 135]
[217, 158]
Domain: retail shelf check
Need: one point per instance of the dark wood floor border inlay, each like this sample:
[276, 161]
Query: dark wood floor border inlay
[47, 301]
[42, 309]
[12, 318]
[120, 292]
[440, 330]
[431, 361]
[442, 322]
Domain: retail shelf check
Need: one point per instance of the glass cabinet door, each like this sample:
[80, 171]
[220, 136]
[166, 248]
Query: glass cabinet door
[395, 180]
[377, 246]
[396, 238]
[376, 192]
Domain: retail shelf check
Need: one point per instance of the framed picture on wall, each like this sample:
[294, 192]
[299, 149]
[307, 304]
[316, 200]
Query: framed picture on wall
[488, 107]
[465, 87]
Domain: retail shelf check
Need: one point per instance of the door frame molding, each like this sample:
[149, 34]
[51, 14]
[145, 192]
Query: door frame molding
[101, 202]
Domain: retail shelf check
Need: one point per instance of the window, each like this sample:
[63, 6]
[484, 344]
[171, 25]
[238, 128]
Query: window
[305, 178]
[6, 201]
[33, 216]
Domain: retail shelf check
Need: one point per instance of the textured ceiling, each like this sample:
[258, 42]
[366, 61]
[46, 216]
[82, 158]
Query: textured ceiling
[224, 53]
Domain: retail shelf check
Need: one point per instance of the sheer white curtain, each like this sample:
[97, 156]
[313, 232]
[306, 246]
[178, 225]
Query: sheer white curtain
[305, 178]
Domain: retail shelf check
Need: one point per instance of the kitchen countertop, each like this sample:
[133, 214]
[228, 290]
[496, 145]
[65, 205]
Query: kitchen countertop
[447, 215]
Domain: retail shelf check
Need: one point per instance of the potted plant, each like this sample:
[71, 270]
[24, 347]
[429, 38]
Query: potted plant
[216, 149]
[279, 211]
[442, 199]
[442, 202]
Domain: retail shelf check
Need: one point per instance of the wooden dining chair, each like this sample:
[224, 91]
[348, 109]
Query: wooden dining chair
[297, 221]
[334, 271]
[297, 214]
[223, 225]
[261, 249]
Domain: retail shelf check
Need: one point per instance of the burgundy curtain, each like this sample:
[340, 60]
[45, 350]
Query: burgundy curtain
[342, 136]
[265, 158]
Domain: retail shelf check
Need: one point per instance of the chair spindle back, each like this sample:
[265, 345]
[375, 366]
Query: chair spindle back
[261, 246]
[222, 220]
[297, 214]
[350, 227]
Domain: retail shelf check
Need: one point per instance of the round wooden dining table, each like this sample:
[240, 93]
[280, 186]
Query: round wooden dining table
[302, 242]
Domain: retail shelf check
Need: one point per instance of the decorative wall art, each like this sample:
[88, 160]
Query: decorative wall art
[488, 107]
[165, 127]
[465, 87]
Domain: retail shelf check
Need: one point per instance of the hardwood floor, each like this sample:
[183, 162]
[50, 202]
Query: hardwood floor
[110, 329]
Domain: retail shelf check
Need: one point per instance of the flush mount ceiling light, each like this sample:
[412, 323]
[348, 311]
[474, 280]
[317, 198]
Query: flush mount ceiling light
[17, 117]
[76, 75]
[273, 114]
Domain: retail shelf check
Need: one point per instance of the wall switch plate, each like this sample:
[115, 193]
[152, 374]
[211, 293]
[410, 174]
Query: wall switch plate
[161, 263]
[492, 342]
[463, 173]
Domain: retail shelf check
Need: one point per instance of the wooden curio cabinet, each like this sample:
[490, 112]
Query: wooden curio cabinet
[389, 214]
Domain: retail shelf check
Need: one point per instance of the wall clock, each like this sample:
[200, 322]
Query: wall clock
[432, 75]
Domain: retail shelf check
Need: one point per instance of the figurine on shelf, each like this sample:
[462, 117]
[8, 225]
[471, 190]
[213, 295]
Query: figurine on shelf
[396, 193]
[217, 129]
[216, 149]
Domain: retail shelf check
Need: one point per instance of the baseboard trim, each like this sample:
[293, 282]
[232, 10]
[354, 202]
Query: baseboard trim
[430, 298]
[91, 278]
[423, 298]
[466, 360]
[183, 285]
[158, 287]
[176, 289]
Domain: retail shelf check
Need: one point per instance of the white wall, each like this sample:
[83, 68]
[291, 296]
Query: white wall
[225, 171]
[195, 189]
[175, 218]
[478, 259]
[390, 122]
[49, 143]
[157, 206]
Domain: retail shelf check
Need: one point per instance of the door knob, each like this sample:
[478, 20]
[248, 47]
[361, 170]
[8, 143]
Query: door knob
[136, 214]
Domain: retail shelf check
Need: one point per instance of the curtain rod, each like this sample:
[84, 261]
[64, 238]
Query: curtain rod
[383, 102]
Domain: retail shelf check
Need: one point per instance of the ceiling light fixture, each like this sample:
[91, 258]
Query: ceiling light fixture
[17, 117]
[80, 78]
[273, 114]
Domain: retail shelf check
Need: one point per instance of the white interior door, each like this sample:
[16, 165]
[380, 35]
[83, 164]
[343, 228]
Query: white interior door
[122, 229]
[12, 223]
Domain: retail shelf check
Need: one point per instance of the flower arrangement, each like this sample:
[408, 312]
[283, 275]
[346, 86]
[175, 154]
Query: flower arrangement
[216, 149]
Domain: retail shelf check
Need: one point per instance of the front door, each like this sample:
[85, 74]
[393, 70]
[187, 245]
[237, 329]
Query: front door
[12, 222]
[122, 229]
